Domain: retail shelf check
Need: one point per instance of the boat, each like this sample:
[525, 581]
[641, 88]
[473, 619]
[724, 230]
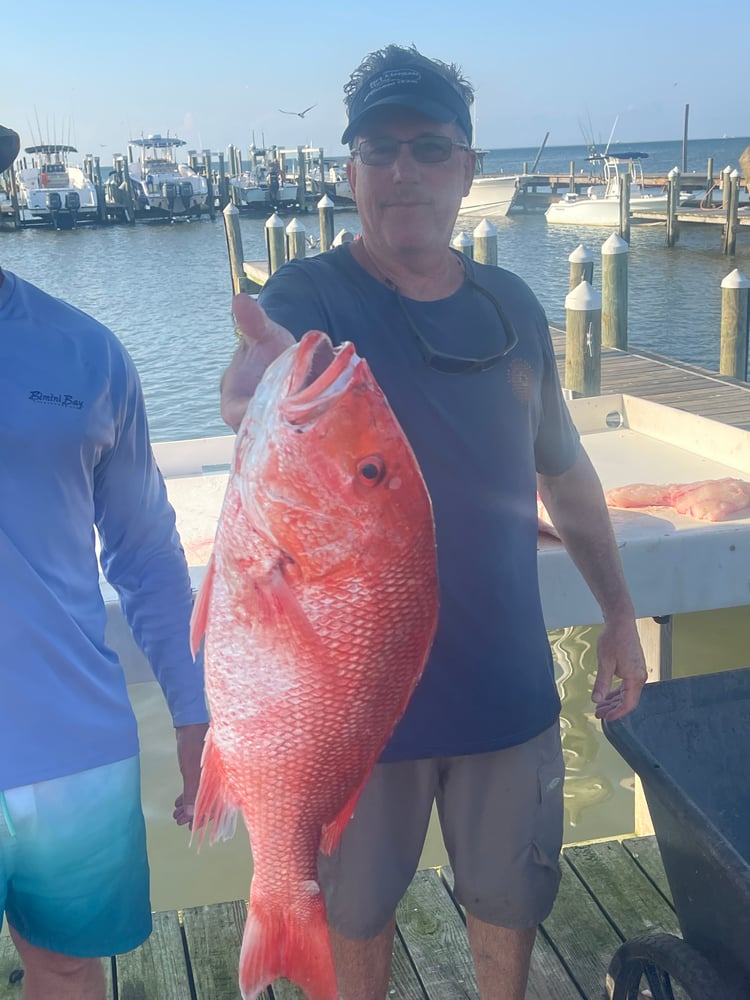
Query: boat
[255, 189]
[490, 194]
[53, 192]
[600, 205]
[162, 187]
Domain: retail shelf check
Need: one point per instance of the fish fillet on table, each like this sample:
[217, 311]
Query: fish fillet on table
[706, 500]
[319, 607]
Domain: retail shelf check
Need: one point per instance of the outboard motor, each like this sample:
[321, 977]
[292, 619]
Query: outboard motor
[186, 194]
[169, 191]
[72, 201]
[54, 201]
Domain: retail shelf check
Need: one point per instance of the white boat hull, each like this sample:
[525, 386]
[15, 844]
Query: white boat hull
[490, 194]
[592, 211]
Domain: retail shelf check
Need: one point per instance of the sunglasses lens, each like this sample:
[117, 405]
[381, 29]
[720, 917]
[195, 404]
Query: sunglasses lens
[431, 148]
[378, 152]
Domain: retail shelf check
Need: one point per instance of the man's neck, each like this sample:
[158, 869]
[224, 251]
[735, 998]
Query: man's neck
[416, 275]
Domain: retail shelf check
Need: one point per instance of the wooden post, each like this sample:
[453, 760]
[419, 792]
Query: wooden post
[673, 204]
[709, 174]
[735, 325]
[624, 229]
[296, 246]
[128, 188]
[485, 243]
[322, 171]
[301, 180]
[275, 242]
[583, 340]
[223, 184]
[464, 243]
[572, 178]
[615, 293]
[14, 199]
[729, 240]
[343, 236]
[231, 164]
[101, 195]
[725, 186]
[581, 267]
[207, 166]
[326, 210]
[234, 246]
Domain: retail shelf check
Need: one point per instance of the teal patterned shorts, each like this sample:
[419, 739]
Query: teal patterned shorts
[74, 873]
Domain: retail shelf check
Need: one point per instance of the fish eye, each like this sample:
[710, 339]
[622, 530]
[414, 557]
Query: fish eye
[371, 470]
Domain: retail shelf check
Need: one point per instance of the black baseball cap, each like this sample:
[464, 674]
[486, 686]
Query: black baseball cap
[416, 87]
[9, 147]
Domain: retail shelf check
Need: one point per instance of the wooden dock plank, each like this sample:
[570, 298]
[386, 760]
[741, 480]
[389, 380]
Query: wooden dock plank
[646, 854]
[630, 900]
[159, 968]
[214, 937]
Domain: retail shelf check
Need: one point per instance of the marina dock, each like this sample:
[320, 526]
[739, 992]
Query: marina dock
[610, 891]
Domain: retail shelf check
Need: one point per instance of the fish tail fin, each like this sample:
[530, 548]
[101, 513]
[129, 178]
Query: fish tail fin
[199, 616]
[212, 803]
[295, 945]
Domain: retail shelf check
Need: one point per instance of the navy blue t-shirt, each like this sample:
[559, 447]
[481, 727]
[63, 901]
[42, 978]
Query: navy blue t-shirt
[479, 438]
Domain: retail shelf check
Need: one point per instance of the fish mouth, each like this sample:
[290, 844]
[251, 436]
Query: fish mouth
[321, 374]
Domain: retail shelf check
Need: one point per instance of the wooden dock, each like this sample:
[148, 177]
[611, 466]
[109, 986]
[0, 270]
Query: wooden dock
[610, 891]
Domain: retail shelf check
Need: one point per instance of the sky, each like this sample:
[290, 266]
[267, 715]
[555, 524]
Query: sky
[216, 73]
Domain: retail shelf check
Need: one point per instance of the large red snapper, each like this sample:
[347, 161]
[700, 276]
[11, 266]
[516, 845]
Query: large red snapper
[319, 609]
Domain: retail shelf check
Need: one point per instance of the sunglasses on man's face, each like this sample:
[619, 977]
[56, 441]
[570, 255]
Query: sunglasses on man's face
[383, 151]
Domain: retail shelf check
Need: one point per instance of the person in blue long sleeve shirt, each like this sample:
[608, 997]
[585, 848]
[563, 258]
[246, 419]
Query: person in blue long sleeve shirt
[76, 463]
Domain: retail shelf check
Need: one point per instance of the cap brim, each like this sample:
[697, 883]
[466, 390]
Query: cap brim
[416, 102]
[10, 144]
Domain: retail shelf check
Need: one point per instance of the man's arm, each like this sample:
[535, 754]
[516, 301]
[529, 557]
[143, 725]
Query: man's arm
[575, 502]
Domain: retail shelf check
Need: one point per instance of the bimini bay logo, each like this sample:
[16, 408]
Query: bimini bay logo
[62, 399]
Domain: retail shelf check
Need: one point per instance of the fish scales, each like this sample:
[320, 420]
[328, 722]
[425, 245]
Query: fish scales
[319, 608]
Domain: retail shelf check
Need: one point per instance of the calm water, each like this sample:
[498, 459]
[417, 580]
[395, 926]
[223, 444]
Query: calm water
[166, 291]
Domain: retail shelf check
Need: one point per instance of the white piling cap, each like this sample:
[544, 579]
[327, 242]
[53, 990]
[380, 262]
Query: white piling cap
[295, 227]
[485, 229]
[343, 236]
[581, 255]
[463, 240]
[583, 298]
[275, 222]
[736, 279]
[326, 202]
[615, 244]
[231, 209]
[674, 172]
[727, 169]
[735, 174]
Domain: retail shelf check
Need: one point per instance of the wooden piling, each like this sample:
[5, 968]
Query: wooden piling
[735, 325]
[624, 226]
[572, 178]
[673, 205]
[301, 180]
[729, 235]
[130, 200]
[207, 166]
[275, 248]
[296, 240]
[615, 293]
[101, 194]
[725, 186]
[14, 199]
[583, 339]
[326, 210]
[464, 243]
[343, 236]
[710, 173]
[234, 245]
[223, 184]
[485, 243]
[581, 267]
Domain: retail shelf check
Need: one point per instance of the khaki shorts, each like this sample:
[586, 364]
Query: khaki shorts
[501, 815]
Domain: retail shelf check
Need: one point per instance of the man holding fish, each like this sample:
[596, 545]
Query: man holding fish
[463, 355]
[75, 456]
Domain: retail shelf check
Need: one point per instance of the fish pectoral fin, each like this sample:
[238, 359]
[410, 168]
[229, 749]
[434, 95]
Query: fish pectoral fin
[332, 831]
[213, 803]
[274, 606]
[199, 616]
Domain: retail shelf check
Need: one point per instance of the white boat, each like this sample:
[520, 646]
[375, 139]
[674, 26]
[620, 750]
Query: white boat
[600, 206]
[253, 188]
[51, 191]
[490, 194]
[162, 187]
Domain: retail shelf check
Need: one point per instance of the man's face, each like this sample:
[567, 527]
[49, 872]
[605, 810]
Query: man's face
[410, 206]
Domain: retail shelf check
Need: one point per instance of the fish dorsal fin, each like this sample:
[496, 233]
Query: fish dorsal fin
[199, 617]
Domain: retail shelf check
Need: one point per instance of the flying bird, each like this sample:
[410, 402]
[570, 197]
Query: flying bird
[300, 114]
